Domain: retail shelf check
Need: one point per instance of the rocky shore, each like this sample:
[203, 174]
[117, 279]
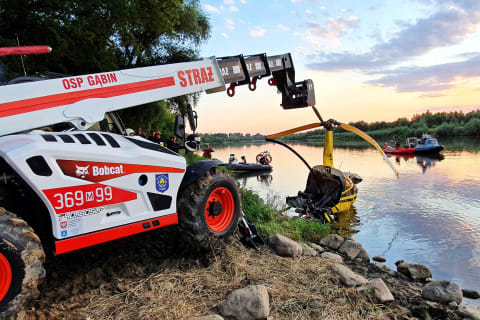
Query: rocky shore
[157, 276]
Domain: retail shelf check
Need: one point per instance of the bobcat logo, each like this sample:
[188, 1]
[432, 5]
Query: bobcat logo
[82, 171]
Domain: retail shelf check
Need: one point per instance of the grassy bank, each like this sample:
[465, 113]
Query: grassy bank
[270, 220]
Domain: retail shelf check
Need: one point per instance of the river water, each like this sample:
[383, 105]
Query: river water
[430, 215]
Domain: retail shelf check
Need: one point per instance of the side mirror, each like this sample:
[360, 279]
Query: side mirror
[180, 127]
[192, 118]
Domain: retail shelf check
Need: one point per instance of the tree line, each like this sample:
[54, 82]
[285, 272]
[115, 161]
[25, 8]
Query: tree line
[441, 124]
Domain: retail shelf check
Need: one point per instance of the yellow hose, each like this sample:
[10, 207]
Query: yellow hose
[369, 139]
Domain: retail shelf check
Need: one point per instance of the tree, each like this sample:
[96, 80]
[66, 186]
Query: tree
[89, 36]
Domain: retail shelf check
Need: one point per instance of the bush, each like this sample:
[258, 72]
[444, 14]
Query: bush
[270, 220]
[472, 127]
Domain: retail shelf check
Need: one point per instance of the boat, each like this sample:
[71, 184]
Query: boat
[398, 148]
[248, 167]
[426, 144]
[243, 166]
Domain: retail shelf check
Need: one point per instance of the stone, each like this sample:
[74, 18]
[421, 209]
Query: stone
[308, 251]
[379, 259]
[350, 248]
[333, 241]
[470, 311]
[363, 255]
[428, 279]
[414, 270]
[471, 294]
[452, 305]
[210, 317]
[285, 247]
[399, 262]
[380, 290]
[332, 256]
[384, 268]
[340, 301]
[315, 304]
[317, 247]
[247, 304]
[348, 277]
[442, 291]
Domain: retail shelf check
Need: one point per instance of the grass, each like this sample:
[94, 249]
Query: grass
[270, 220]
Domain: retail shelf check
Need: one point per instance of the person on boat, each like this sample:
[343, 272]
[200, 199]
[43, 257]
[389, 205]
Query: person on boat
[207, 152]
[397, 145]
[244, 160]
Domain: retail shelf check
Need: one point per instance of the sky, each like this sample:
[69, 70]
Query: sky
[369, 60]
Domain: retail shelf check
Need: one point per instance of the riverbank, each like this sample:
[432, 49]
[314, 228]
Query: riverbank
[157, 276]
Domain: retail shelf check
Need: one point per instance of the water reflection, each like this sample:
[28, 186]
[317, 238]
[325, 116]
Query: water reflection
[431, 215]
[425, 161]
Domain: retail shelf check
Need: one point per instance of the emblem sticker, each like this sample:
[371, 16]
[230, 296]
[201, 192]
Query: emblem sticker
[161, 182]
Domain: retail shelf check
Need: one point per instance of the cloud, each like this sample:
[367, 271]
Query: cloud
[233, 8]
[224, 35]
[443, 28]
[230, 24]
[229, 2]
[335, 28]
[243, 1]
[282, 27]
[431, 78]
[431, 95]
[257, 32]
[210, 8]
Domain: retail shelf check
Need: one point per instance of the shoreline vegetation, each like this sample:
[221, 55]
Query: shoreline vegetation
[441, 124]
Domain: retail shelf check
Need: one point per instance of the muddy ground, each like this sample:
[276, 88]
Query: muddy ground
[158, 275]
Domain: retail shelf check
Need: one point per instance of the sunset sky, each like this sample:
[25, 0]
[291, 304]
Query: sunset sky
[369, 60]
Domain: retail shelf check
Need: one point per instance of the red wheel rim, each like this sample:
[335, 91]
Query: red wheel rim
[5, 276]
[220, 209]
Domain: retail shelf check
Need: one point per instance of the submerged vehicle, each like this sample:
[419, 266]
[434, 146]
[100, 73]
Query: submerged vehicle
[426, 144]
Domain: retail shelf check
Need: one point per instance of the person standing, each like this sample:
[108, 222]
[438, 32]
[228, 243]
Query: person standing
[207, 152]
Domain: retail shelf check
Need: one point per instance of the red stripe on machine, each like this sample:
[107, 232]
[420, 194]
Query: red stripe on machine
[91, 239]
[86, 196]
[61, 99]
[101, 171]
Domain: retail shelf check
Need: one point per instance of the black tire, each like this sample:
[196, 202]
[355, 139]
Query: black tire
[192, 207]
[21, 248]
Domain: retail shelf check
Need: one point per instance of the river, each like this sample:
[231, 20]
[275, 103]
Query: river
[430, 215]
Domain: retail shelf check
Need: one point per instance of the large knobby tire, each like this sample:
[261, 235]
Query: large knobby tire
[21, 264]
[210, 207]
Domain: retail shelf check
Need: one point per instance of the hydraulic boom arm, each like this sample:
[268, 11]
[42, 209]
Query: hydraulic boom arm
[84, 100]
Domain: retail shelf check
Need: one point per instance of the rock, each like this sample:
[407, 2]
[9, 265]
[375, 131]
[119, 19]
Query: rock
[348, 277]
[471, 294]
[340, 301]
[442, 291]
[414, 270]
[317, 247]
[428, 279]
[332, 256]
[452, 305]
[210, 317]
[470, 311]
[379, 290]
[399, 262]
[379, 259]
[247, 303]
[315, 304]
[285, 247]
[308, 251]
[384, 268]
[363, 255]
[333, 241]
[350, 248]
